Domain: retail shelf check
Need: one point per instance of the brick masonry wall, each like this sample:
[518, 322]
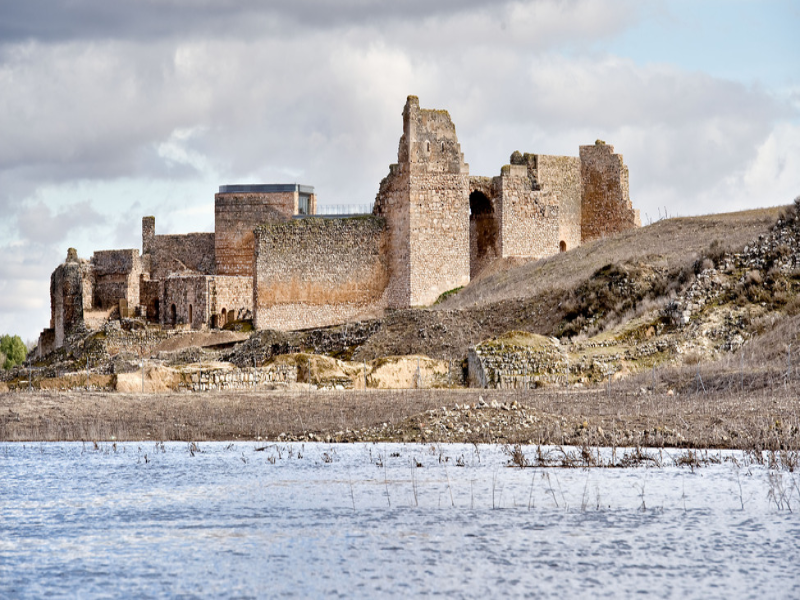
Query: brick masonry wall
[562, 175]
[606, 202]
[235, 218]
[315, 272]
[530, 219]
[193, 252]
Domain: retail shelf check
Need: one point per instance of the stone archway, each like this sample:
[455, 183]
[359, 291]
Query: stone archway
[483, 232]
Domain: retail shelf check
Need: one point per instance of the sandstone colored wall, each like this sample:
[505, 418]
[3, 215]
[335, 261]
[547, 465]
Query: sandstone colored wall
[562, 175]
[314, 272]
[530, 219]
[606, 203]
[425, 199]
[231, 297]
[484, 225]
[236, 215]
[116, 277]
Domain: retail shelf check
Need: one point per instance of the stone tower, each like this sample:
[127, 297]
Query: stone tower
[425, 200]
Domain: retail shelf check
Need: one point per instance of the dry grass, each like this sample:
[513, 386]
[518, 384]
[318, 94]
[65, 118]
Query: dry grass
[749, 419]
[667, 244]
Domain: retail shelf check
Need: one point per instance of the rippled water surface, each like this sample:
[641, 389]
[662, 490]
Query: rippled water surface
[256, 520]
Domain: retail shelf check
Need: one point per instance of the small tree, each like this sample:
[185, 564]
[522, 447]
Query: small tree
[12, 348]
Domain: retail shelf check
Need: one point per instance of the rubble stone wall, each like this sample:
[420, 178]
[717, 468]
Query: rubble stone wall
[231, 297]
[562, 175]
[188, 295]
[236, 215]
[191, 252]
[116, 277]
[606, 203]
[425, 199]
[530, 218]
[316, 272]
[239, 379]
[66, 297]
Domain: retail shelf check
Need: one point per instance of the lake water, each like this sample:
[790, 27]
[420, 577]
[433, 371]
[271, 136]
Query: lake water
[255, 520]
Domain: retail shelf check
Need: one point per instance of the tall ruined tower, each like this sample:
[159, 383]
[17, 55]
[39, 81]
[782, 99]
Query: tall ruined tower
[606, 203]
[425, 200]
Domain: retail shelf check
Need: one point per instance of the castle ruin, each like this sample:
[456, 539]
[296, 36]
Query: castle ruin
[273, 260]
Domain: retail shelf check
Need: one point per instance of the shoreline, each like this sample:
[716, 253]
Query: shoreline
[763, 419]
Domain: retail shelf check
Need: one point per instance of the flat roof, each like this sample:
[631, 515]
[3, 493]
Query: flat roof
[265, 188]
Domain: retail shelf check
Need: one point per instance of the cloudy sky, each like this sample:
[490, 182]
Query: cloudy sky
[110, 111]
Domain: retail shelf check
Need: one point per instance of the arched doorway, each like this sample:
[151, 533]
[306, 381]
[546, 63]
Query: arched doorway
[562, 246]
[156, 310]
[223, 319]
[173, 315]
[483, 232]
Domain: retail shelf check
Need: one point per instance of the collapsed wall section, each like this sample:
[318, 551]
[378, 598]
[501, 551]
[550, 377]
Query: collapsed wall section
[606, 203]
[117, 275]
[316, 272]
[67, 284]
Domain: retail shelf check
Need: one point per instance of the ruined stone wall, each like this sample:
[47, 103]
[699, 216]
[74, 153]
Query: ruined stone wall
[529, 219]
[150, 298]
[517, 360]
[204, 380]
[484, 224]
[191, 252]
[315, 272]
[231, 297]
[425, 199]
[188, 295]
[66, 298]
[606, 204]
[562, 175]
[116, 277]
[236, 215]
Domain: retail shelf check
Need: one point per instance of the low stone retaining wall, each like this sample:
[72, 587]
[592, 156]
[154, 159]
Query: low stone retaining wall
[238, 379]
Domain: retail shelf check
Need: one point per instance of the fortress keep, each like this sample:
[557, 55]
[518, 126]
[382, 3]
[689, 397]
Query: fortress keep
[272, 259]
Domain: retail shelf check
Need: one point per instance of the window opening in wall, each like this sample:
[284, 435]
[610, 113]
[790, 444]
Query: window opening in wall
[442, 146]
[427, 146]
[562, 246]
[303, 204]
[173, 314]
[190, 315]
